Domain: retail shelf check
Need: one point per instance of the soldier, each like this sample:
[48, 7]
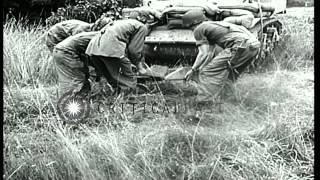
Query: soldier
[117, 47]
[72, 63]
[64, 29]
[239, 46]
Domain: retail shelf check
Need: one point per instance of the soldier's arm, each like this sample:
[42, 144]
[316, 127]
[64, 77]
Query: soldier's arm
[136, 44]
[203, 55]
[203, 47]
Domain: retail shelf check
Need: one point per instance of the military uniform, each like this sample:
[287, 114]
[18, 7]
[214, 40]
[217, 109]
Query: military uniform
[240, 47]
[71, 61]
[64, 29]
[111, 47]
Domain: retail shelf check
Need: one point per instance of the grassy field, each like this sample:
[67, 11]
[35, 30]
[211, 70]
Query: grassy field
[263, 131]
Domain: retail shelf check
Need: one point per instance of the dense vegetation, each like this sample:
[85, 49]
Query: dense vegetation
[263, 131]
[296, 3]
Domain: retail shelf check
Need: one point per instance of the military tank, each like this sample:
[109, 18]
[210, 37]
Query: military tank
[171, 46]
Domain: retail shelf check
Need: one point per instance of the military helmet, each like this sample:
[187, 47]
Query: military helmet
[139, 15]
[193, 17]
[101, 22]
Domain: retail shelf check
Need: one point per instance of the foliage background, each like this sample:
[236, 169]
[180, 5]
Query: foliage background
[292, 3]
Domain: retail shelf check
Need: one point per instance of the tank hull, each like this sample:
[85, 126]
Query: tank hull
[178, 46]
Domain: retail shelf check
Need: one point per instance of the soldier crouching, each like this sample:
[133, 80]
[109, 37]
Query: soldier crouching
[72, 64]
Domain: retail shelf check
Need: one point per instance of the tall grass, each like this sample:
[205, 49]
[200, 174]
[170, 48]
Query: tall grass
[264, 131]
[27, 60]
[25, 55]
[296, 48]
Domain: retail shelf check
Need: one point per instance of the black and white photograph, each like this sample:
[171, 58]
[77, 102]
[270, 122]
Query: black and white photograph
[158, 90]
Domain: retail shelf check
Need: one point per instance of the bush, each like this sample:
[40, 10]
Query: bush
[293, 3]
[87, 11]
[90, 10]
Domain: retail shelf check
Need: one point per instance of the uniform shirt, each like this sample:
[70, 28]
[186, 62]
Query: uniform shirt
[224, 34]
[64, 29]
[76, 44]
[113, 40]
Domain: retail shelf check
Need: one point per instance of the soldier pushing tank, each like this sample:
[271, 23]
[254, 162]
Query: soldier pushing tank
[113, 52]
[118, 49]
[64, 29]
[239, 46]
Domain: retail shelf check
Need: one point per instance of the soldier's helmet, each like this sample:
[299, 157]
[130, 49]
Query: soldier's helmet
[139, 15]
[101, 22]
[193, 17]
